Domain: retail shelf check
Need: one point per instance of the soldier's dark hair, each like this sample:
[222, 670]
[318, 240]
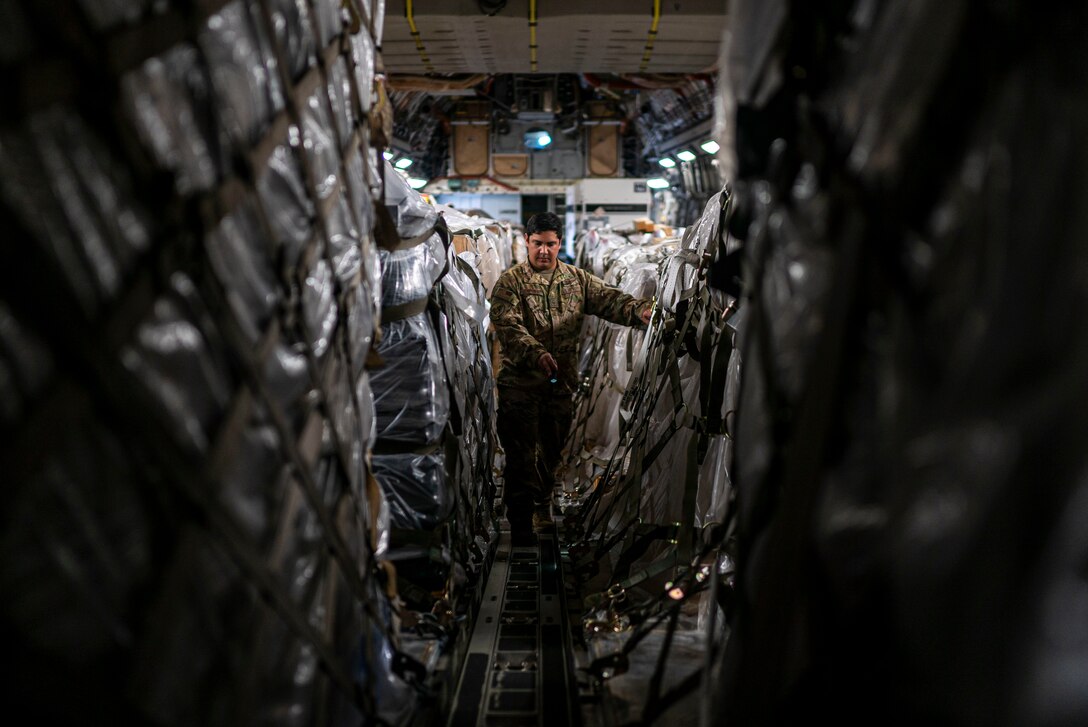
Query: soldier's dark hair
[544, 222]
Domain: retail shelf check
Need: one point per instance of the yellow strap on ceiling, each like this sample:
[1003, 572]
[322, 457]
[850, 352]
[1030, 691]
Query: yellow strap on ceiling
[649, 50]
[532, 35]
[408, 13]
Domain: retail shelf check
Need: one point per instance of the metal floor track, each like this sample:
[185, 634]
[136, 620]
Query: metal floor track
[519, 668]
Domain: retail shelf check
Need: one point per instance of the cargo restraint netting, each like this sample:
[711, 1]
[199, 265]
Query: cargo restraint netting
[435, 410]
[910, 461]
[646, 483]
[192, 531]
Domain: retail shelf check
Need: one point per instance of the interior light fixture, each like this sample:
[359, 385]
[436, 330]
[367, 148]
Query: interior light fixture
[388, 155]
[417, 183]
[537, 139]
[685, 156]
[403, 163]
[710, 147]
[666, 162]
[657, 183]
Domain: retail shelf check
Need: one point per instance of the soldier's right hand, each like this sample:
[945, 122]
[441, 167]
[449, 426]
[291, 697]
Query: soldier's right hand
[547, 364]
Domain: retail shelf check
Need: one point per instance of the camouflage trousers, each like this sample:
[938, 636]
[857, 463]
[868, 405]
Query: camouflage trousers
[532, 426]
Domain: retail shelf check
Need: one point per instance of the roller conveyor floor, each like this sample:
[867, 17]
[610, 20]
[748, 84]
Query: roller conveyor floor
[519, 669]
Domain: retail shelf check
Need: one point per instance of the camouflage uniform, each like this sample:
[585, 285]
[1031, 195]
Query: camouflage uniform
[534, 315]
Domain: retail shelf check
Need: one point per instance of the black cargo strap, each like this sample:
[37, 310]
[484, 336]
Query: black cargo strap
[633, 399]
[586, 400]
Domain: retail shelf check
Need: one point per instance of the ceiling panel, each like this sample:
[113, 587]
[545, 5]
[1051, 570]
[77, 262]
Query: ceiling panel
[572, 37]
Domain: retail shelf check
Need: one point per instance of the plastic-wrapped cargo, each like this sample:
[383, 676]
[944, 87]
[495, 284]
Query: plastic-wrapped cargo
[909, 435]
[177, 356]
[319, 307]
[345, 242]
[288, 381]
[362, 204]
[169, 100]
[360, 328]
[243, 71]
[648, 487]
[252, 488]
[242, 258]
[362, 52]
[487, 244]
[88, 508]
[468, 366]
[647, 466]
[609, 351]
[291, 20]
[285, 201]
[327, 19]
[409, 275]
[108, 14]
[26, 366]
[412, 216]
[416, 488]
[346, 420]
[339, 90]
[74, 195]
[411, 397]
[189, 432]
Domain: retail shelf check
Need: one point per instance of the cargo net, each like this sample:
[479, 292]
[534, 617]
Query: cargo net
[910, 440]
[194, 532]
[435, 407]
[646, 491]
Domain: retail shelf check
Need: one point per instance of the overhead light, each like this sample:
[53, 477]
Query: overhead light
[403, 163]
[657, 183]
[666, 162]
[388, 155]
[685, 156]
[537, 139]
[417, 183]
[710, 147]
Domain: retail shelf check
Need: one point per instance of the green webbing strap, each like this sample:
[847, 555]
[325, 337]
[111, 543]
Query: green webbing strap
[443, 231]
[410, 536]
[407, 242]
[719, 376]
[472, 232]
[630, 353]
[404, 310]
[640, 539]
[691, 491]
[388, 446]
[593, 555]
[654, 688]
[655, 568]
[466, 267]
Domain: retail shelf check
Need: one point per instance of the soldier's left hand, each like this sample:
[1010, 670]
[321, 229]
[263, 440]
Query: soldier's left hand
[645, 316]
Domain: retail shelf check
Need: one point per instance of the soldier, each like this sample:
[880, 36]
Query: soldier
[537, 308]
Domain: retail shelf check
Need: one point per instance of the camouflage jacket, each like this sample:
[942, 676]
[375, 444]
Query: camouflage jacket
[533, 316]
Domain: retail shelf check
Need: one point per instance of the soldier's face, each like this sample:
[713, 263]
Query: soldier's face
[544, 250]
